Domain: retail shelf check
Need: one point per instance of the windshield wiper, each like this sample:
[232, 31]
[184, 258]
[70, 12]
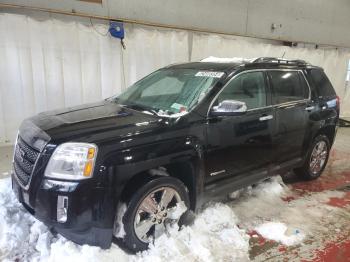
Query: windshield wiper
[141, 108]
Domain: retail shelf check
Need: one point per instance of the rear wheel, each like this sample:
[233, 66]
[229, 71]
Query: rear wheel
[316, 159]
[153, 207]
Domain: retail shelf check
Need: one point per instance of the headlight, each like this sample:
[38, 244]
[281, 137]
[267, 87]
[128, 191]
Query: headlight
[14, 149]
[72, 161]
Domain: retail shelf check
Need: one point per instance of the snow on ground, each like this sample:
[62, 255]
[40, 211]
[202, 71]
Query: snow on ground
[277, 231]
[220, 231]
[4, 174]
[267, 203]
[213, 236]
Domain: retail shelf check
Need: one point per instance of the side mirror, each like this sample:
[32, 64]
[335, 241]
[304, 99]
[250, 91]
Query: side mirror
[229, 108]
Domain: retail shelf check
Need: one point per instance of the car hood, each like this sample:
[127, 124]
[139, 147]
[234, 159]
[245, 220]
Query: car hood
[89, 123]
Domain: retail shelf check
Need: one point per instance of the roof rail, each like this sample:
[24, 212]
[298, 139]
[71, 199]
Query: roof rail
[279, 61]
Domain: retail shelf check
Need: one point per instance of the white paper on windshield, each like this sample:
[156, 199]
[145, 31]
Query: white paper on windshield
[210, 74]
[177, 106]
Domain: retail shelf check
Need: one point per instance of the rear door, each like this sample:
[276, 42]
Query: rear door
[291, 99]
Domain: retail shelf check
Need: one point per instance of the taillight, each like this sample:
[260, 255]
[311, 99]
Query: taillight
[338, 102]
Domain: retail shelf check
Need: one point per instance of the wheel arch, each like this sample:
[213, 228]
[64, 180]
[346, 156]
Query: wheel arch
[185, 171]
[329, 131]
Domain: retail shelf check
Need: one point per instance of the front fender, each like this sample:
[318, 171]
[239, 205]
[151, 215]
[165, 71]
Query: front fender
[127, 163]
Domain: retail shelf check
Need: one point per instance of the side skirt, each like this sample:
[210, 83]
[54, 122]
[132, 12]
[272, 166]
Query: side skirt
[219, 189]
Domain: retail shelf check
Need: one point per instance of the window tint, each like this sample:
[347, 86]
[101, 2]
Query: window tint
[288, 86]
[248, 88]
[323, 85]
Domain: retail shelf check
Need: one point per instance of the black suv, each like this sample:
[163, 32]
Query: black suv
[132, 164]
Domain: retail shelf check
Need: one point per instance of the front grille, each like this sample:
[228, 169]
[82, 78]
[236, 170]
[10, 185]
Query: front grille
[24, 160]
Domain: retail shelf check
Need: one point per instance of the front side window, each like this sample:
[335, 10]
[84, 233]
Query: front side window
[248, 87]
[288, 86]
[170, 91]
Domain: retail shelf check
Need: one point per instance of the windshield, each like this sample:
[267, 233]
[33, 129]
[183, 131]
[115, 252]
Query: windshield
[170, 92]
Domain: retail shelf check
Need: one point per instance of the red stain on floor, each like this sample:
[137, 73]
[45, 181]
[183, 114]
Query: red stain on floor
[326, 182]
[288, 198]
[334, 252]
[336, 248]
[337, 155]
[340, 201]
[260, 239]
[252, 233]
[333, 177]
[282, 249]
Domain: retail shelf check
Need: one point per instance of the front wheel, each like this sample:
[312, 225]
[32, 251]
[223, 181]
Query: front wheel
[153, 207]
[316, 158]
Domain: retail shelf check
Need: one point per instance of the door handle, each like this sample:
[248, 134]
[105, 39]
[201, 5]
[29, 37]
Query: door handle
[265, 118]
[309, 108]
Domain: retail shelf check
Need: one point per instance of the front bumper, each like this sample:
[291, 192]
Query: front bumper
[90, 211]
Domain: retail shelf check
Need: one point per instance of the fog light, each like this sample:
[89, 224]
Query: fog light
[62, 186]
[62, 209]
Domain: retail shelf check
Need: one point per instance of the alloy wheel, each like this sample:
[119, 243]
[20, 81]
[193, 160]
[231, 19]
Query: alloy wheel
[155, 212]
[318, 157]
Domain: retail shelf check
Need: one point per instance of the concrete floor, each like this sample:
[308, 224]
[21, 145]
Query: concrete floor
[330, 240]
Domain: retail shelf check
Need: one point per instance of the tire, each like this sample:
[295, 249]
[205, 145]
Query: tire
[135, 215]
[311, 169]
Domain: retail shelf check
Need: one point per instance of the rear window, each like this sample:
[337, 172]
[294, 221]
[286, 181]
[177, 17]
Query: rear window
[323, 85]
[288, 86]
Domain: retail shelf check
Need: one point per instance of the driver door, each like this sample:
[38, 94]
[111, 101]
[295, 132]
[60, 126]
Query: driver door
[241, 143]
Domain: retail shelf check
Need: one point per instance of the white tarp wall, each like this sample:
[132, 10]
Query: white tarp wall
[334, 61]
[52, 63]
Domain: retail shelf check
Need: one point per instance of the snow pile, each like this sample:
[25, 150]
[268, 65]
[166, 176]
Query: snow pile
[259, 205]
[118, 228]
[256, 205]
[14, 227]
[5, 174]
[262, 208]
[161, 171]
[272, 188]
[213, 236]
[67, 251]
[227, 60]
[180, 209]
[278, 232]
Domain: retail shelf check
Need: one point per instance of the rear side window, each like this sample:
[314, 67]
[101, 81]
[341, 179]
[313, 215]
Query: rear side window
[288, 86]
[323, 85]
